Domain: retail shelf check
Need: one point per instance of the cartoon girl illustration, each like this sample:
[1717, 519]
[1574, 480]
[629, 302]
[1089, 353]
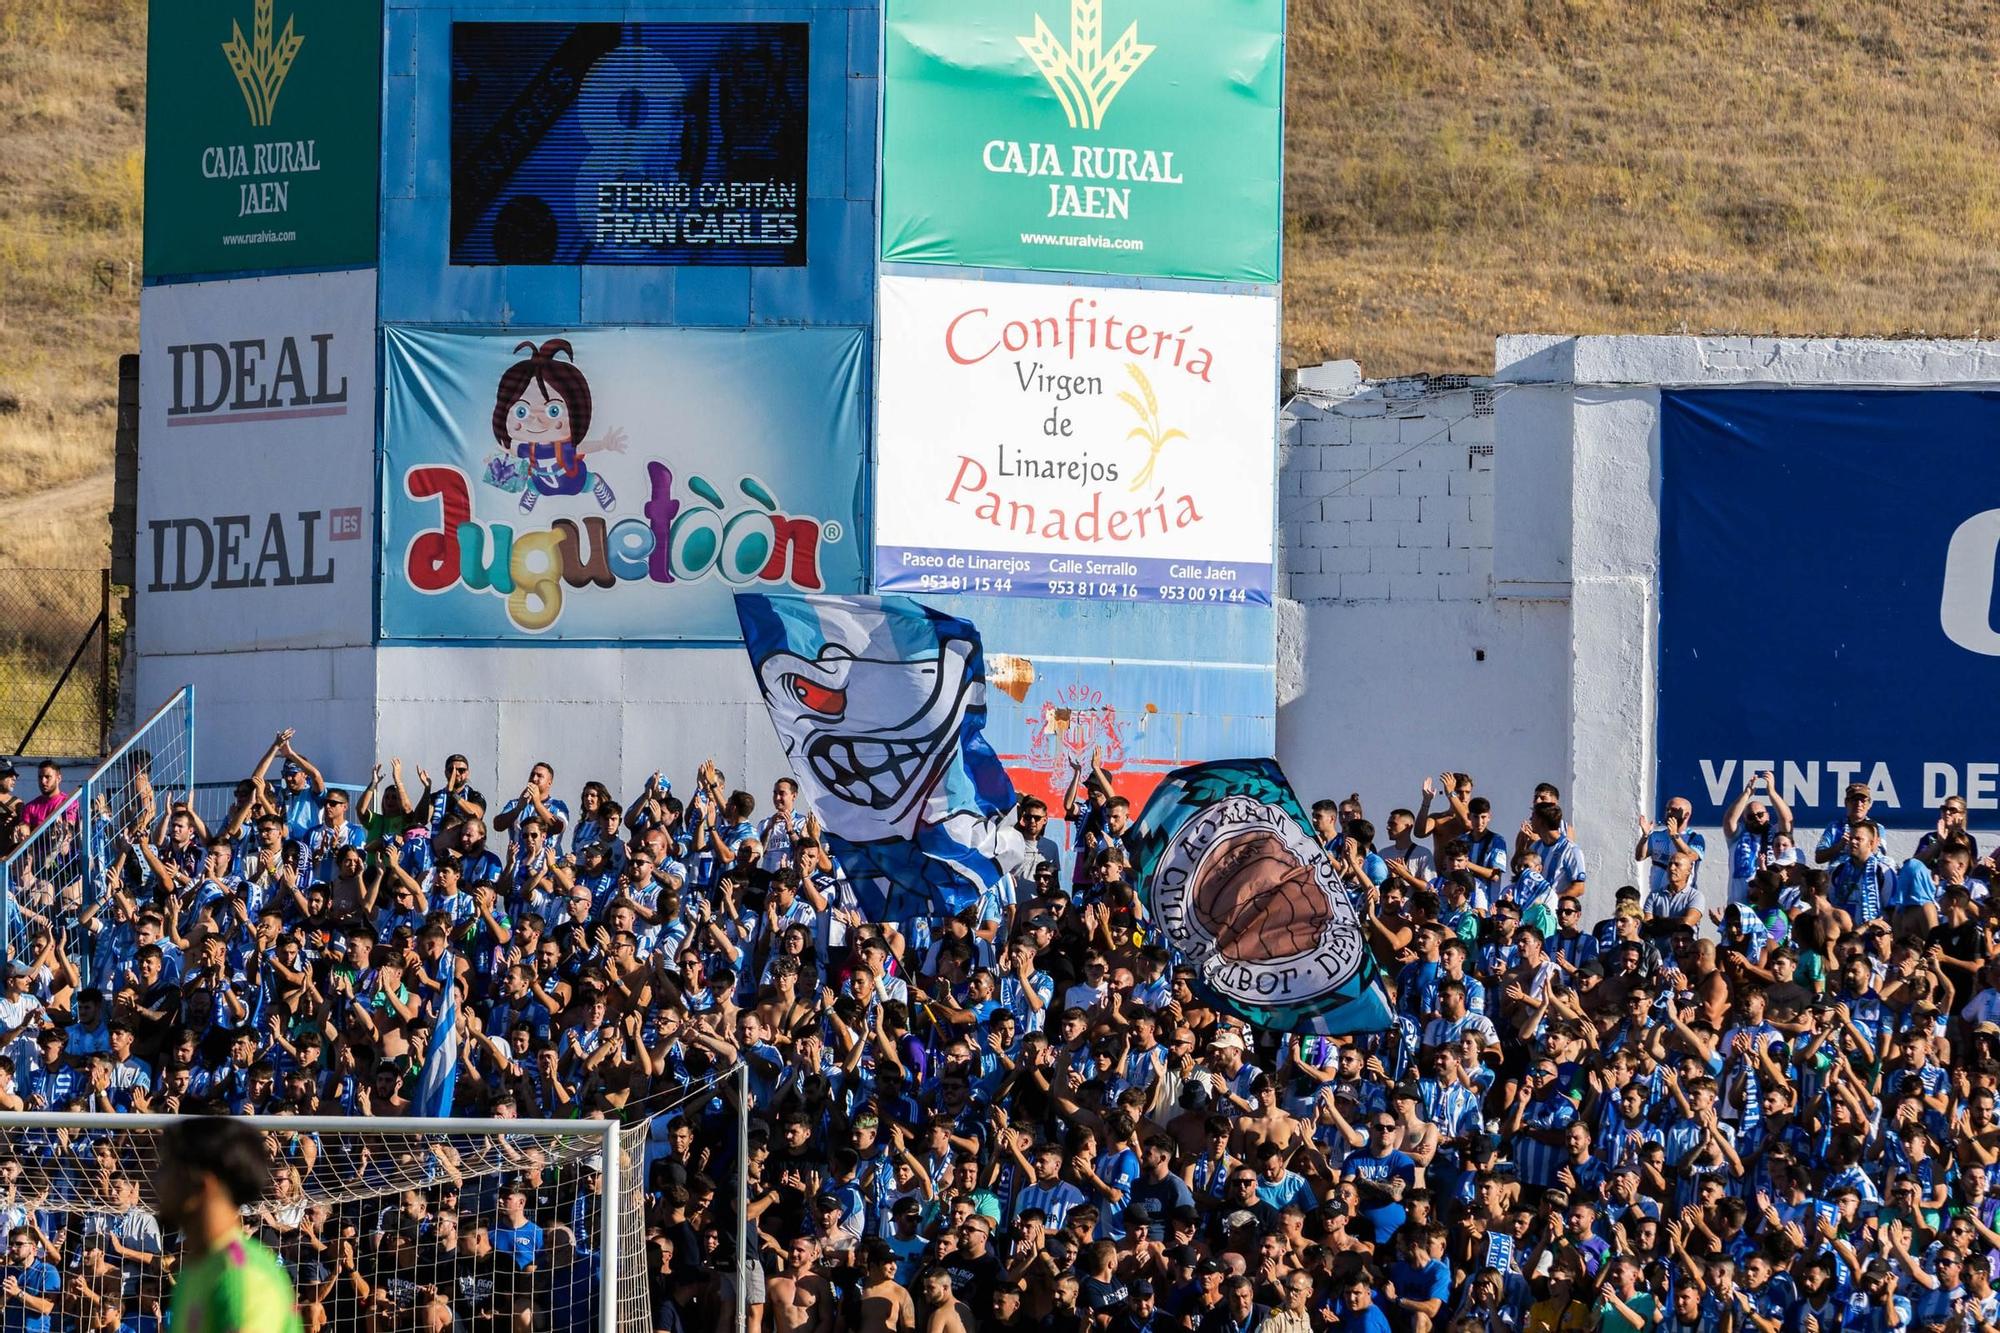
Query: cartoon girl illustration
[541, 424]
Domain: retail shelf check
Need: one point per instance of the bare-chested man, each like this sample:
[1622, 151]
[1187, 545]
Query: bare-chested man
[885, 1306]
[801, 1301]
[943, 1314]
[1269, 1123]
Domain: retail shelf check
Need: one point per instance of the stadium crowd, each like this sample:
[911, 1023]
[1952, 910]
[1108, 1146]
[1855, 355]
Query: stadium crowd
[1759, 1097]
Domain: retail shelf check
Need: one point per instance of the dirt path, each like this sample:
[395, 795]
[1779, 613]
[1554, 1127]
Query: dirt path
[63, 527]
[45, 504]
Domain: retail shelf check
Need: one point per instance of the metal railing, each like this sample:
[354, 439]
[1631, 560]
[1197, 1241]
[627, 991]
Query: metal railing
[61, 867]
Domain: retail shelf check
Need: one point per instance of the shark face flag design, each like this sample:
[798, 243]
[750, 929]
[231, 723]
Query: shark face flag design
[880, 704]
[1246, 896]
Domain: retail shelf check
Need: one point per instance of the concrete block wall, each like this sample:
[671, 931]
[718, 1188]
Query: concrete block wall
[1385, 489]
[1395, 659]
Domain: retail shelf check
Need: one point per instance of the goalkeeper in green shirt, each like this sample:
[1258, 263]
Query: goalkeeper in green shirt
[210, 1169]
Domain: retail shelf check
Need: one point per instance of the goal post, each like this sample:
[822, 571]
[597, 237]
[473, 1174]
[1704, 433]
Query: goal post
[514, 1224]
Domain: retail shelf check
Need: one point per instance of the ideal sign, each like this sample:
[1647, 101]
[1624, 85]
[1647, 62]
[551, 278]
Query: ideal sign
[248, 550]
[256, 448]
[250, 379]
[1826, 598]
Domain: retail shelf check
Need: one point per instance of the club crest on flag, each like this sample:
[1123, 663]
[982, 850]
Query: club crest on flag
[1245, 895]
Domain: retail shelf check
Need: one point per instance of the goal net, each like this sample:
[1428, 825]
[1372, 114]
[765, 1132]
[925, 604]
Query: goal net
[383, 1225]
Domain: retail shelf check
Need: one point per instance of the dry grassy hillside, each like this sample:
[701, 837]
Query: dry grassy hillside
[72, 93]
[1457, 168]
[1460, 168]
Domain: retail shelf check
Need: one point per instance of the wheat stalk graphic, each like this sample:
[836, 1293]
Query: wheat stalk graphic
[1147, 408]
[260, 65]
[1086, 79]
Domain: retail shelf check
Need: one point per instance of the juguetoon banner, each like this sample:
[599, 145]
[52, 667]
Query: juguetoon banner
[1111, 136]
[263, 132]
[616, 483]
[257, 463]
[1069, 441]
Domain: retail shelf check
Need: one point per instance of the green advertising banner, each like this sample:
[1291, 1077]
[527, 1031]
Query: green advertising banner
[1112, 136]
[262, 135]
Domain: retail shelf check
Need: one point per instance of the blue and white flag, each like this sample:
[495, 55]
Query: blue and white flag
[439, 1077]
[880, 704]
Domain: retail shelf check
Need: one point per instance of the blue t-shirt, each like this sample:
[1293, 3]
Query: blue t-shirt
[1660, 850]
[1370, 1320]
[37, 1279]
[1432, 1282]
[521, 1243]
[302, 813]
[522, 809]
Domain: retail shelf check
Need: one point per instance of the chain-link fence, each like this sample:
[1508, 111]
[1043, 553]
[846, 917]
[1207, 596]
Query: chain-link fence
[57, 689]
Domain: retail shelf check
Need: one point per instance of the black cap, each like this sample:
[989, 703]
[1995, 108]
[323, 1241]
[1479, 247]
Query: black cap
[1141, 1289]
[1041, 921]
[1138, 1215]
[826, 1199]
[1185, 1212]
[1183, 1256]
[1210, 1266]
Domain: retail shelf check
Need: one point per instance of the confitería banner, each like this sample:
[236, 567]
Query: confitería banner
[1067, 441]
[1086, 136]
[616, 484]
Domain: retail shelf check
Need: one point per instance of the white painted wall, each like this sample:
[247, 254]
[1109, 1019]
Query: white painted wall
[1388, 527]
[242, 699]
[1407, 552]
[613, 714]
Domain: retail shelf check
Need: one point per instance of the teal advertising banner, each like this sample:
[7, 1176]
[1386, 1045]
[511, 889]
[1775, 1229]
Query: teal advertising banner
[616, 483]
[1086, 136]
[262, 135]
